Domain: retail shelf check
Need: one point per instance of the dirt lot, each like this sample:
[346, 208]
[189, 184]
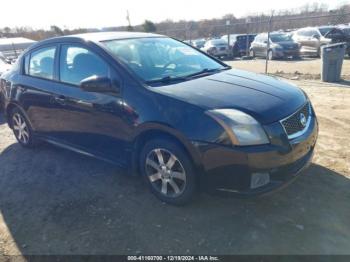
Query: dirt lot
[305, 68]
[56, 202]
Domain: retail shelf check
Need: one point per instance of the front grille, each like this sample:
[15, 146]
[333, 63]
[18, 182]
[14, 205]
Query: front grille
[293, 124]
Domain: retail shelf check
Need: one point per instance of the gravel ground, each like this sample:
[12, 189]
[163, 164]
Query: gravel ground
[54, 201]
[305, 68]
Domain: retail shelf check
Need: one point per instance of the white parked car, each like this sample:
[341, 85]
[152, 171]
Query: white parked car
[4, 66]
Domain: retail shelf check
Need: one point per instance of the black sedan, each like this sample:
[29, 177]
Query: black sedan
[154, 105]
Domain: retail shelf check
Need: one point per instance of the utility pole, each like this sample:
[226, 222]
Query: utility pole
[128, 19]
[228, 35]
[248, 20]
[268, 43]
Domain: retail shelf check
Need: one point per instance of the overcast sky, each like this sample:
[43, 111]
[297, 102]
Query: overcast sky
[103, 13]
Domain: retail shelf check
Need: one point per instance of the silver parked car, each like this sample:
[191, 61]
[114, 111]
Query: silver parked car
[216, 47]
[311, 39]
[281, 46]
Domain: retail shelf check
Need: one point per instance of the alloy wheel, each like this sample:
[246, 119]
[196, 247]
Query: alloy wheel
[165, 172]
[20, 128]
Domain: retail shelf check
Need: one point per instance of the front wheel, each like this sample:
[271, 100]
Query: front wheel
[168, 171]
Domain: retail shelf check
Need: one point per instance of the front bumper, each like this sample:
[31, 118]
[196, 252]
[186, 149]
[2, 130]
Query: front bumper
[286, 53]
[219, 52]
[230, 169]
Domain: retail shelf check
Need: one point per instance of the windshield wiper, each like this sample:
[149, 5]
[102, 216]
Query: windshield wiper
[166, 79]
[169, 79]
[207, 71]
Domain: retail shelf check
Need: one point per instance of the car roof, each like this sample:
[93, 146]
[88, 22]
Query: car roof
[96, 37]
[217, 40]
[326, 26]
[278, 33]
[105, 36]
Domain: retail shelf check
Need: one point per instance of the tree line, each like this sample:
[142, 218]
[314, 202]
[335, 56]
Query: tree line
[309, 15]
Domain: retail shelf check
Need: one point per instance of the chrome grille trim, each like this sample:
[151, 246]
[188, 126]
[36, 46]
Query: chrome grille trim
[301, 132]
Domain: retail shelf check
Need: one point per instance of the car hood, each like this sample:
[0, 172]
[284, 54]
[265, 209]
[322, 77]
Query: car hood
[267, 99]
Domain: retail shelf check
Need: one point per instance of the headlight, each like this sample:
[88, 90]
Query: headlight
[242, 129]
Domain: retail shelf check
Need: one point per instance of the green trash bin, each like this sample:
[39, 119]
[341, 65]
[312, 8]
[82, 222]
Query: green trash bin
[332, 57]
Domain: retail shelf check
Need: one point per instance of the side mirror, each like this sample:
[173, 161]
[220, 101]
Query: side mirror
[99, 84]
[265, 42]
[316, 36]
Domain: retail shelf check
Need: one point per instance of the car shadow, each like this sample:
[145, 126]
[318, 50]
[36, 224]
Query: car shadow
[57, 202]
[344, 82]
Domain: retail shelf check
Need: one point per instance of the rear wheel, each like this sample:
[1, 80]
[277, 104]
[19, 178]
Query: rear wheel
[21, 128]
[270, 55]
[168, 171]
[251, 53]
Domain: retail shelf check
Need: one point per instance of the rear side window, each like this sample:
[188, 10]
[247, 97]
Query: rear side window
[78, 63]
[311, 33]
[41, 63]
[302, 33]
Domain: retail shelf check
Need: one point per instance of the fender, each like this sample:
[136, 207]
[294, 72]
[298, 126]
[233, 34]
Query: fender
[155, 127]
[9, 107]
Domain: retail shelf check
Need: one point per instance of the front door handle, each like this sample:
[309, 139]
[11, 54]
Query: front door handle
[60, 100]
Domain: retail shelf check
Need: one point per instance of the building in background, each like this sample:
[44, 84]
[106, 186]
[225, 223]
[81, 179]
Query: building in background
[11, 48]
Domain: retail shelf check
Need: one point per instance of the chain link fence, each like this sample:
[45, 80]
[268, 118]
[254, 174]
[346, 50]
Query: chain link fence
[191, 30]
[307, 66]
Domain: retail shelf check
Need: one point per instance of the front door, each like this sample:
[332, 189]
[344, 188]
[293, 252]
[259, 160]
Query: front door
[92, 121]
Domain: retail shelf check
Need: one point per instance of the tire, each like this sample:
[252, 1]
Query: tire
[318, 54]
[22, 129]
[163, 163]
[270, 55]
[2, 104]
[252, 53]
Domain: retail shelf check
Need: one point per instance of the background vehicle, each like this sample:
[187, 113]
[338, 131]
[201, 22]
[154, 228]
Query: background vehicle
[281, 46]
[11, 48]
[346, 31]
[4, 65]
[216, 47]
[239, 45]
[311, 39]
[198, 43]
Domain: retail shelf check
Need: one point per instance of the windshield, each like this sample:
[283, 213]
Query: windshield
[325, 30]
[218, 42]
[158, 58]
[346, 31]
[280, 38]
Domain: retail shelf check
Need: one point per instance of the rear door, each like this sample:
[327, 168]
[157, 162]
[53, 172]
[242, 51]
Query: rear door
[92, 121]
[37, 85]
[261, 45]
[256, 45]
[312, 42]
[301, 37]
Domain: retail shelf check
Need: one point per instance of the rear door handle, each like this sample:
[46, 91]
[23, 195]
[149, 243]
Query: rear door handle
[60, 100]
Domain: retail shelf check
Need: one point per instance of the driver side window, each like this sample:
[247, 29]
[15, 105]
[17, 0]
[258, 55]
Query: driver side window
[78, 63]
